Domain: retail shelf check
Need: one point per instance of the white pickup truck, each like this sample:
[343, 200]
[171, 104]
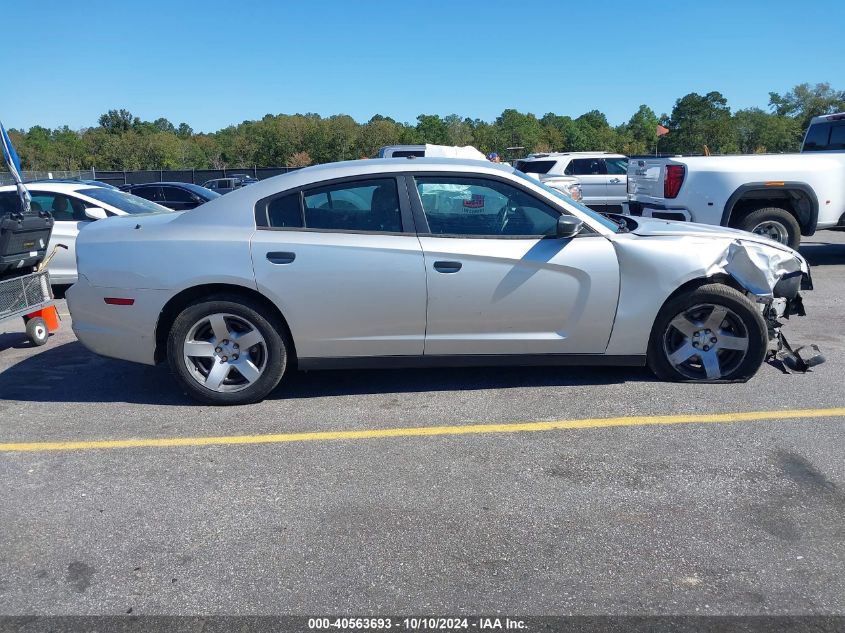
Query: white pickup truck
[782, 196]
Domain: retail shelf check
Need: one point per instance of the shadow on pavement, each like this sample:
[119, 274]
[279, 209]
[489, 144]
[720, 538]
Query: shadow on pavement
[70, 373]
[14, 340]
[824, 254]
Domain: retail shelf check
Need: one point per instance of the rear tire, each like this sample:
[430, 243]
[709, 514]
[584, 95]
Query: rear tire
[711, 334]
[775, 223]
[226, 350]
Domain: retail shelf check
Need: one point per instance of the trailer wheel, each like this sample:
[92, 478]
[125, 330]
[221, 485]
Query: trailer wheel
[37, 332]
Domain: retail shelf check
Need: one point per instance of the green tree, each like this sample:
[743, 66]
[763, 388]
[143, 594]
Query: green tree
[758, 131]
[699, 120]
[804, 102]
[117, 121]
[432, 129]
[641, 131]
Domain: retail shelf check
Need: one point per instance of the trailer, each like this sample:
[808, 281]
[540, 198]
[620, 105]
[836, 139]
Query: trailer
[30, 297]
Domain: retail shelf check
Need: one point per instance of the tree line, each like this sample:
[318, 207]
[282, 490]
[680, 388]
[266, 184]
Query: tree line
[122, 141]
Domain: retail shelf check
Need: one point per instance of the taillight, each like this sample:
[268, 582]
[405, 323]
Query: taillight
[672, 180]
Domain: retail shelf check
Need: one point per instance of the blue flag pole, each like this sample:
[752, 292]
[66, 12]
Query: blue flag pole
[10, 156]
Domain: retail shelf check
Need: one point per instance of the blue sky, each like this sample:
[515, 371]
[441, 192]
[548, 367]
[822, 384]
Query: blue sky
[213, 64]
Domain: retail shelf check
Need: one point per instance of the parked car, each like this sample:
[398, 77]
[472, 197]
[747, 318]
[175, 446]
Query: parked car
[179, 196]
[227, 185]
[73, 206]
[603, 176]
[418, 263]
[780, 196]
[245, 179]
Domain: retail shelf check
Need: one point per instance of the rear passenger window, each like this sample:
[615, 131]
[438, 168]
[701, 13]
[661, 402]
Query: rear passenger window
[587, 167]
[818, 138]
[285, 212]
[365, 205]
[837, 137]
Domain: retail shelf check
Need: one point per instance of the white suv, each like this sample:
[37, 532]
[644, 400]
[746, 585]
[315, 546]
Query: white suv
[603, 176]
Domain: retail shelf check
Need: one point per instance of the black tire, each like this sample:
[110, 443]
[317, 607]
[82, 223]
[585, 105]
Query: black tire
[37, 332]
[274, 349]
[744, 319]
[781, 219]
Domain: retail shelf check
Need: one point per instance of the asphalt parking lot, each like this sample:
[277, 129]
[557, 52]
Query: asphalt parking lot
[626, 516]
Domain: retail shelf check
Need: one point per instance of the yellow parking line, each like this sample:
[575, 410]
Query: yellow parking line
[518, 427]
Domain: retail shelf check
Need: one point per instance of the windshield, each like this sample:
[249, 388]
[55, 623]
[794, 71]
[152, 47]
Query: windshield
[605, 222]
[126, 202]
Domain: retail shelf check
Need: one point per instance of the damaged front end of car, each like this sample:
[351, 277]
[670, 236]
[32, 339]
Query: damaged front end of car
[773, 277]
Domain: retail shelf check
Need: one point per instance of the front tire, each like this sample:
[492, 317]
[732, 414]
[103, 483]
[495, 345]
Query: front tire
[226, 350]
[775, 223]
[711, 334]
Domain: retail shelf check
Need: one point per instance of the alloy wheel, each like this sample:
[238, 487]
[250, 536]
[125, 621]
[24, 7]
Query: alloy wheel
[224, 352]
[706, 342]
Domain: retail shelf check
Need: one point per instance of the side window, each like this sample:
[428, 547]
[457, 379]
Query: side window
[837, 137]
[818, 138]
[364, 205]
[535, 166]
[62, 208]
[285, 212]
[175, 194]
[570, 169]
[616, 166]
[588, 167]
[477, 206]
[148, 193]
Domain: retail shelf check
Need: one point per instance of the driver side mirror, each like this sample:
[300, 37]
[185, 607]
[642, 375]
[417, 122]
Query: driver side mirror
[96, 213]
[567, 226]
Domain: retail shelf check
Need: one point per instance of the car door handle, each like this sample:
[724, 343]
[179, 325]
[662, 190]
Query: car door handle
[447, 267]
[281, 258]
[615, 180]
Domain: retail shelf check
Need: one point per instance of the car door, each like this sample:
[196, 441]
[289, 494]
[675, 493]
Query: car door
[592, 173]
[499, 281]
[177, 198]
[343, 263]
[69, 218]
[617, 184]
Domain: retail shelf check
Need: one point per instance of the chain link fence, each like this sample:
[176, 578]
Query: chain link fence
[29, 176]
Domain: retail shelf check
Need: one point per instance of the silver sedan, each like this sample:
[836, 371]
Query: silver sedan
[398, 263]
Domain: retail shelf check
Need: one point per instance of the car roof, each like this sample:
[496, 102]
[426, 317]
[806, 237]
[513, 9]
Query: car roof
[220, 210]
[836, 116]
[351, 168]
[58, 187]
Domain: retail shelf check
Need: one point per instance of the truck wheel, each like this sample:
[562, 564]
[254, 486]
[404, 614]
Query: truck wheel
[775, 223]
[711, 334]
[36, 331]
